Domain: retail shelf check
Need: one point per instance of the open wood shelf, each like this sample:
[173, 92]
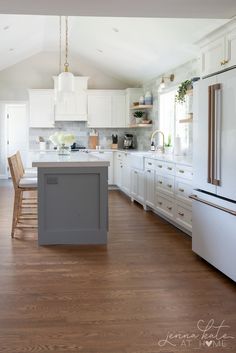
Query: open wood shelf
[141, 125]
[135, 107]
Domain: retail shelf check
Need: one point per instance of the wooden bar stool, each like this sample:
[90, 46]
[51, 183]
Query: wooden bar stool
[28, 173]
[21, 185]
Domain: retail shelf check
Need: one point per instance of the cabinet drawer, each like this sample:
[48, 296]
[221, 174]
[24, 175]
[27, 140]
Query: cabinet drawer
[165, 205]
[150, 164]
[183, 216]
[184, 171]
[183, 189]
[160, 167]
[165, 184]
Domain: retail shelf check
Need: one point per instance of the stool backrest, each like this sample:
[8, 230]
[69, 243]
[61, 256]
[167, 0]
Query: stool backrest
[14, 170]
[20, 163]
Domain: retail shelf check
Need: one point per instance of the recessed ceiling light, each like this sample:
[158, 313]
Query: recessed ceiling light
[6, 28]
[115, 29]
[100, 50]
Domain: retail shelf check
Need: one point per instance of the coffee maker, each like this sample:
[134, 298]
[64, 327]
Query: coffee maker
[128, 141]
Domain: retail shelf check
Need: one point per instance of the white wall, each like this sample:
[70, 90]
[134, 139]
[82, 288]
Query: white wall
[37, 72]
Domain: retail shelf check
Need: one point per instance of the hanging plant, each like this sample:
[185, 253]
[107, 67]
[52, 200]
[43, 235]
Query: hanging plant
[182, 91]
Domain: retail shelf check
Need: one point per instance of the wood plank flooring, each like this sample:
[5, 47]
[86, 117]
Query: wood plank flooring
[124, 298]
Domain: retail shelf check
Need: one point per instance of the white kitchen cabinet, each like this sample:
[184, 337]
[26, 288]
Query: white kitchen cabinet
[218, 50]
[41, 108]
[106, 108]
[107, 156]
[212, 56]
[150, 187]
[125, 179]
[73, 107]
[137, 190]
[117, 168]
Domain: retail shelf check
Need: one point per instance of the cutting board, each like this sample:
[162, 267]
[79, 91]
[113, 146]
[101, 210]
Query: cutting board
[93, 142]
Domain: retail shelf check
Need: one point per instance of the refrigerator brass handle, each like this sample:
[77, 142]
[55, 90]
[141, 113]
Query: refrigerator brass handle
[208, 203]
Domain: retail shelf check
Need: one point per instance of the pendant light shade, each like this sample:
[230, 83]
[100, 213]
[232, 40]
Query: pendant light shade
[66, 80]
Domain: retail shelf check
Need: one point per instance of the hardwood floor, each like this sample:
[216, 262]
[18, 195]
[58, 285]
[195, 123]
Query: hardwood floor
[125, 298]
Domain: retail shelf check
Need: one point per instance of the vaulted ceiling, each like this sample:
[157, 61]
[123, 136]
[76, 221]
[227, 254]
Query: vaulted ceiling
[134, 49]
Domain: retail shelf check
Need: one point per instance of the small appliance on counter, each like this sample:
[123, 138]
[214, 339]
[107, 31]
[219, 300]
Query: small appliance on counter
[76, 147]
[114, 142]
[128, 141]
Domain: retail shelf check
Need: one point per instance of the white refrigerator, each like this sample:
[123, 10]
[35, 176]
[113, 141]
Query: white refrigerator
[214, 162]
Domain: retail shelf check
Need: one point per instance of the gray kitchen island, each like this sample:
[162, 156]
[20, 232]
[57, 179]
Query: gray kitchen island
[72, 198]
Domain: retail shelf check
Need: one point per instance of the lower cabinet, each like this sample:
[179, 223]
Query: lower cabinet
[125, 179]
[137, 191]
[150, 187]
[165, 205]
[183, 215]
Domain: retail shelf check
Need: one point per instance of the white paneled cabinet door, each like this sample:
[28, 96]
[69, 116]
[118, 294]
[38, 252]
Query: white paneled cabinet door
[213, 55]
[231, 49]
[41, 108]
[99, 110]
[150, 187]
[137, 185]
[73, 107]
[106, 156]
[118, 111]
[125, 179]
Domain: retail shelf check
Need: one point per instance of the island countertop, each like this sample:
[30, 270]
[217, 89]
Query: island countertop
[75, 159]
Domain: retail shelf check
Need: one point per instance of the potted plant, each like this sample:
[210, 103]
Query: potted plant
[139, 116]
[168, 146]
[182, 91]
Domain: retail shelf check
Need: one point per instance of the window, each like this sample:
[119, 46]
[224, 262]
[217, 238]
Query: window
[175, 121]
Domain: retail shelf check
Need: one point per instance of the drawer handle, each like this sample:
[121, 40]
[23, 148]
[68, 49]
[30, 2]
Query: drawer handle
[160, 182]
[181, 171]
[149, 163]
[181, 214]
[160, 203]
[169, 186]
[149, 171]
[181, 190]
[169, 168]
[121, 166]
[135, 172]
[160, 166]
[169, 208]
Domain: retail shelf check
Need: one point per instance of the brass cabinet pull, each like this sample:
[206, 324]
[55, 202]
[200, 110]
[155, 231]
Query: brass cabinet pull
[169, 208]
[181, 214]
[160, 182]
[135, 172]
[169, 168]
[181, 190]
[160, 203]
[169, 185]
[160, 166]
[149, 171]
[224, 62]
[181, 171]
[149, 163]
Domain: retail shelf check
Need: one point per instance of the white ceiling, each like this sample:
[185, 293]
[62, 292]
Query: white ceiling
[132, 49]
[130, 8]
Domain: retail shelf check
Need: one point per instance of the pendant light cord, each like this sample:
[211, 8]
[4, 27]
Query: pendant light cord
[66, 47]
[60, 68]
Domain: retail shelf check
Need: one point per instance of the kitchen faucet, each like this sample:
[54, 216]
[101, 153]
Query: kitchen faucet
[158, 148]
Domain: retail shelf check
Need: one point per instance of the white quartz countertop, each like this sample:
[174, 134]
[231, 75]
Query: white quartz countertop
[75, 159]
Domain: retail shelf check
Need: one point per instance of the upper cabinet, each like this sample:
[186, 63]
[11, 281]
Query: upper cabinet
[106, 108]
[41, 108]
[218, 50]
[73, 106]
